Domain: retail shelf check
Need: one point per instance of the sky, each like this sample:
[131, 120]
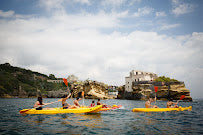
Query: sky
[104, 40]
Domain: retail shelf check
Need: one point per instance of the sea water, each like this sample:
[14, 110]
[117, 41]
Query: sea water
[119, 121]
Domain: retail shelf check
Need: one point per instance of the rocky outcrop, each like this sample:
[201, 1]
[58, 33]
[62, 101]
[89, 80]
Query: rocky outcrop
[166, 91]
[56, 94]
[174, 91]
[92, 90]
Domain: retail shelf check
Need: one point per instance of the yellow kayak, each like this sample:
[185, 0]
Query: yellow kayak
[61, 110]
[161, 109]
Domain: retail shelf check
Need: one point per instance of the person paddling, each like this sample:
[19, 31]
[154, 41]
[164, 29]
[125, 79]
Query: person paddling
[76, 103]
[92, 104]
[38, 104]
[103, 105]
[148, 103]
[171, 104]
[66, 105]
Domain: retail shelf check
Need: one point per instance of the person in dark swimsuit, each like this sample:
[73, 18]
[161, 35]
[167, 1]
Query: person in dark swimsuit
[66, 105]
[39, 103]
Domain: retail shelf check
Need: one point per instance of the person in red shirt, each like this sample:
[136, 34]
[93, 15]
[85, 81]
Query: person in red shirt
[92, 104]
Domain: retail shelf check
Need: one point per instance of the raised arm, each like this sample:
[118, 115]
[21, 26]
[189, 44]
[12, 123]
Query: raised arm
[79, 99]
[68, 96]
[155, 98]
[177, 102]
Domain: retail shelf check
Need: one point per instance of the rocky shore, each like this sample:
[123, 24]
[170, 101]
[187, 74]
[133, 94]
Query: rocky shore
[97, 90]
[16, 82]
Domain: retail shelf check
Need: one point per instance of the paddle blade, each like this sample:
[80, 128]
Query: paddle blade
[83, 93]
[65, 81]
[155, 88]
[79, 94]
[25, 110]
[183, 96]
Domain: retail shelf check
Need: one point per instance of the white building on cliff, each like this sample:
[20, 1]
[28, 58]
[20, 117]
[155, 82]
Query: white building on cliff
[136, 76]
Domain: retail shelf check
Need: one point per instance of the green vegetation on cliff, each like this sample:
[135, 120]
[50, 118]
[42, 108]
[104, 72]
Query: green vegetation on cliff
[165, 79]
[15, 81]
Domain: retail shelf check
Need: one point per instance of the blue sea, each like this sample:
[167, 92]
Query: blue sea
[120, 121]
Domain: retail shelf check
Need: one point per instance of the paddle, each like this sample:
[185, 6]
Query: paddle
[155, 89]
[182, 97]
[66, 83]
[40, 105]
[83, 96]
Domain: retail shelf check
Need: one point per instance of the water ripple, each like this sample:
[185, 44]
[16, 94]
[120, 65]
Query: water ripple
[120, 121]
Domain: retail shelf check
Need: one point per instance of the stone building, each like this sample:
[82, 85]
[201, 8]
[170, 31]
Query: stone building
[72, 78]
[136, 76]
[55, 81]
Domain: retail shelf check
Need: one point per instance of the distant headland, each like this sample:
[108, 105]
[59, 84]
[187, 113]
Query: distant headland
[22, 83]
[141, 85]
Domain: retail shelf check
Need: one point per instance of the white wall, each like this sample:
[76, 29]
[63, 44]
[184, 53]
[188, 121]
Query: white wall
[137, 76]
[128, 84]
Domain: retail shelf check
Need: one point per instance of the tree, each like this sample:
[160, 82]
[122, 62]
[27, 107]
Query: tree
[52, 77]
[165, 79]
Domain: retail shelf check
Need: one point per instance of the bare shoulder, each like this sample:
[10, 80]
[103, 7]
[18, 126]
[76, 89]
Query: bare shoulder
[37, 102]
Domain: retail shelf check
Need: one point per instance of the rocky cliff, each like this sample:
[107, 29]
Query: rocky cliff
[92, 90]
[144, 91]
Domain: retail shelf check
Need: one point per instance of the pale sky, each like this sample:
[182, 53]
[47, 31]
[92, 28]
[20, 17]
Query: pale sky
[104, 40]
